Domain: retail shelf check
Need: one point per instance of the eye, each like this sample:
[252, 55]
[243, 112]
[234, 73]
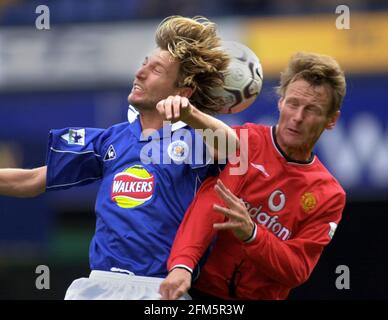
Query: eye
[158, 69]
[292, 103]
[313, 110]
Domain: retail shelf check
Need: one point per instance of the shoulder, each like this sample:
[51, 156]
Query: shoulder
[251, 126]
[329, 184]
[252, 129]
[329, 177]
[108, 135]
[254, 136]
[92, 132]
[115, 130]
[119, 127]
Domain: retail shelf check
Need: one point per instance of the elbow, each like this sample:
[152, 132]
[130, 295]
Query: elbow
[233, 144]
[28, 192]
[33, 193]
[234, 141]
[223, 148]
[36, 185]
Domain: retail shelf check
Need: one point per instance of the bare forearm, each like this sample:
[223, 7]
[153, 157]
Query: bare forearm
[218, 136]
[22, 183]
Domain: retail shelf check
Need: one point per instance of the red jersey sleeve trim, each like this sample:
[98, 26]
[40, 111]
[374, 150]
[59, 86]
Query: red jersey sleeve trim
[253, 236]
[182, 266]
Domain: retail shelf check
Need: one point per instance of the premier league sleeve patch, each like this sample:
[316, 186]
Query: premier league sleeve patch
[75, 136]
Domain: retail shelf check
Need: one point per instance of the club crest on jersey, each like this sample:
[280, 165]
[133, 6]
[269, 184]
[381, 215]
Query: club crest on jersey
[308, 201]
[178, 150]
[75, 136]
[132, 187]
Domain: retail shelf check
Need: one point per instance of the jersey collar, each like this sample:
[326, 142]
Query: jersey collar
[165, 132]
[132, 114]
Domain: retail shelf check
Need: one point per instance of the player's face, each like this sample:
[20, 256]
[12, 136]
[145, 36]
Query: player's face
[155, 80]
[303, 118]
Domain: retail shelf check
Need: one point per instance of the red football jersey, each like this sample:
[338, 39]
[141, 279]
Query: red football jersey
[296, 207]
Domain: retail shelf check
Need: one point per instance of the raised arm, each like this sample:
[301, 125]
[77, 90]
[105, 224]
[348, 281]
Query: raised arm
[221, 139]
[22, 183]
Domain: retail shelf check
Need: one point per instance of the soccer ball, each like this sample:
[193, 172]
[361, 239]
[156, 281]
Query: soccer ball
[243, 79]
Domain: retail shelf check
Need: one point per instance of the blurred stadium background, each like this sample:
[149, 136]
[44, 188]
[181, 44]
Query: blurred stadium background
[79, 73]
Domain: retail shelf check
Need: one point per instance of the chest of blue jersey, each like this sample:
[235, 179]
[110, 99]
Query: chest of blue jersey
[147, 183]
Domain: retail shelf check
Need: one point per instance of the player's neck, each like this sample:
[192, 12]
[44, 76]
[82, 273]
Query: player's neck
[301, 153]
[150, 120]
[296, 154]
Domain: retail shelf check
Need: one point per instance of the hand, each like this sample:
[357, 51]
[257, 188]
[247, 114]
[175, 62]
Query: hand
[175, 108]
[177, 283]
[239, 220]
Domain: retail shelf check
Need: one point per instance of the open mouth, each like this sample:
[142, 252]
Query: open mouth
[137, 88]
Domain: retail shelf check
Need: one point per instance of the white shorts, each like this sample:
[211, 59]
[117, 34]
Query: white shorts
[106, 285]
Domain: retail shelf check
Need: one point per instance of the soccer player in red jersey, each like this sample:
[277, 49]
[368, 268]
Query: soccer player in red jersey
[271, 224]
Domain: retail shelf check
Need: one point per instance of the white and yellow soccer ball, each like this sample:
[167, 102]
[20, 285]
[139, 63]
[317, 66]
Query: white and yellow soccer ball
[243, 78]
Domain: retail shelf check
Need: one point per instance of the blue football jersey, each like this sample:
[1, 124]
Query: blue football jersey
[147, 183]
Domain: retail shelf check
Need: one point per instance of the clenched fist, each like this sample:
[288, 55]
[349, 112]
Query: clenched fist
[175, 108]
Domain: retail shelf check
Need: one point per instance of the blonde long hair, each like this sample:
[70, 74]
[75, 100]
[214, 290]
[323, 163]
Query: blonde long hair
[196, 45]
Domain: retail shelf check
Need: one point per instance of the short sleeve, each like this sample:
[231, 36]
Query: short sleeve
[74, 157]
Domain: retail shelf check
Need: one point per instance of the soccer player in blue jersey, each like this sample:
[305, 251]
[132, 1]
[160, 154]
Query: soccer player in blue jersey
[149, 170]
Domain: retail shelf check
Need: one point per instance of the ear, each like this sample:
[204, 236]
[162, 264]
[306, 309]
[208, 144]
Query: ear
[332, 120]
[280, 103]
[185, 92]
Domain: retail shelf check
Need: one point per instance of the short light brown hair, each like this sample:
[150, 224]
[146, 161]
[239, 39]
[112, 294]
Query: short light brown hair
[317, 70]
[196, 45]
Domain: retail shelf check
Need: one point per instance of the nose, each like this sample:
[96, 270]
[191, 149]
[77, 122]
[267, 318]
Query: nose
[141, 73]
[298, 115]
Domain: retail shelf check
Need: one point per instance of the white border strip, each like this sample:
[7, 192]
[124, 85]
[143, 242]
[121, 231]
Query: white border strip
[74, 152]
[73, 183]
